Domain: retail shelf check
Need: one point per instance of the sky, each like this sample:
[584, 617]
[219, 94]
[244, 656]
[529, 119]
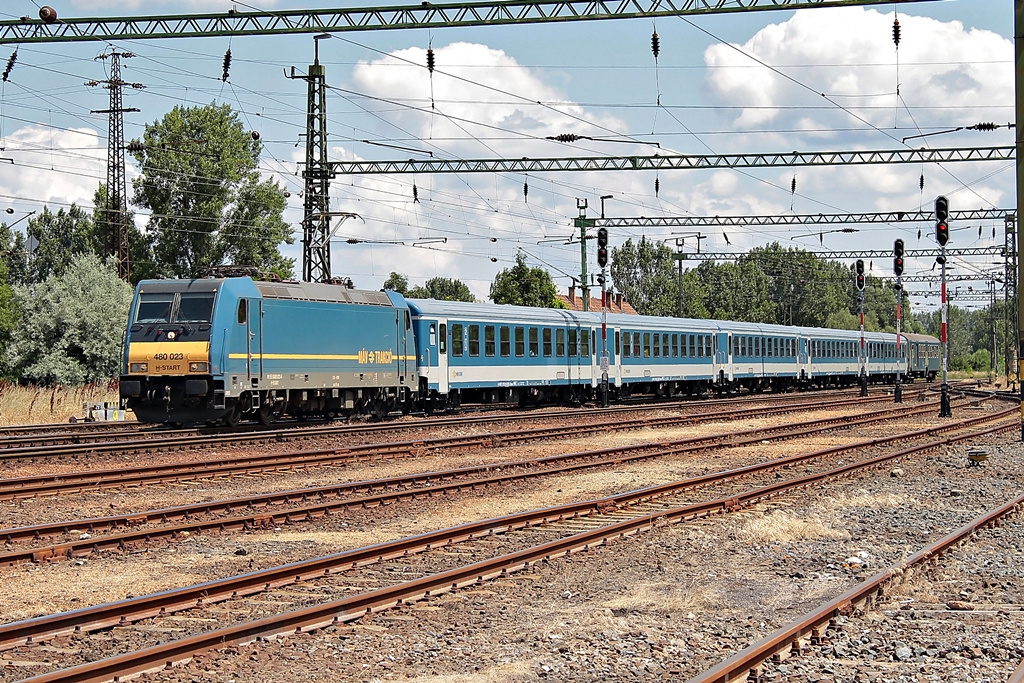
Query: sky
[823, 79]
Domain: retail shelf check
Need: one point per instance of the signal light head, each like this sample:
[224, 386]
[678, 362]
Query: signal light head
[897, 265]
[941, 209]
[860, 267]
[602, 256]
[860, 281]
[602, 237]
[941, 233]
[897, 247]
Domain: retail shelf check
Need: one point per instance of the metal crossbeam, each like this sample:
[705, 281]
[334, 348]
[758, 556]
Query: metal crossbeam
[420, 15]
[800, 219]
[680, 161]
[841, 255]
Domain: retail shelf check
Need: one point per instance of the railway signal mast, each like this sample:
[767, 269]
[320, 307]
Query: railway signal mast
[862, 356]
[897, 268]
[942, 236]
[602, 260]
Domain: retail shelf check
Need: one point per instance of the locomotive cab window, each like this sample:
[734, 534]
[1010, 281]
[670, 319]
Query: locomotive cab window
[243, 311]
[432, 331]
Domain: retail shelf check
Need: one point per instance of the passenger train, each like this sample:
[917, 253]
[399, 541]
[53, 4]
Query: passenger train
[231, 349]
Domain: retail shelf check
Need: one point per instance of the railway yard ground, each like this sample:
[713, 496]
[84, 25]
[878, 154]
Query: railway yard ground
[607, 550]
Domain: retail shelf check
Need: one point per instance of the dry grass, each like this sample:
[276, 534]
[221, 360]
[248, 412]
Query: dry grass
[511, 672]
[780, 526]
[666, 596]
[33, 404]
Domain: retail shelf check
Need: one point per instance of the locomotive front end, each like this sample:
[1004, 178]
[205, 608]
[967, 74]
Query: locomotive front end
[167, 374]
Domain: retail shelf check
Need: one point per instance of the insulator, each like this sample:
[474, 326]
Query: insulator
[655, 44]
[415, 194]
[47, 14]
[10, 64]
[430, 59]
[919, 233]
[979, 232]
[526, 189]
[136, 146]
[255, 135]
[227, 65]
[657, 186]
[792, 186]
[921, 183]
[896, 32]
[567, 137]
[993, 232]
[980, 126]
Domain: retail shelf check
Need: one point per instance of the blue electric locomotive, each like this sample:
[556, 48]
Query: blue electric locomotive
[223, 350]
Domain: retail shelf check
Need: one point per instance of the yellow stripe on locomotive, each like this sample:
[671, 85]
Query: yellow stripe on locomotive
[169, 358]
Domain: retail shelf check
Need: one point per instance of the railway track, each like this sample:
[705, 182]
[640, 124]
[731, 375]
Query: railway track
[77, 538]
[400, 572]
[73, 482]
[33, 442]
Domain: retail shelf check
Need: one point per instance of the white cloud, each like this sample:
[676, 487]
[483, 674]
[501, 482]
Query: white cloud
[53, 166]
[941, 66]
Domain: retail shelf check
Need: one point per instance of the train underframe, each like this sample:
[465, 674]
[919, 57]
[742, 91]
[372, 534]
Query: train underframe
[177, 400]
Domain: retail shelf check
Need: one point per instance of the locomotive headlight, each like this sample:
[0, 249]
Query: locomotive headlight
[198, 367]
[139, 367]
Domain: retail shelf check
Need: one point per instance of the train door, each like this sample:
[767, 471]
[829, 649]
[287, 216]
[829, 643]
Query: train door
[803, 368]
[254, 335]
[438, 343]
[404, 328]
[722, 358]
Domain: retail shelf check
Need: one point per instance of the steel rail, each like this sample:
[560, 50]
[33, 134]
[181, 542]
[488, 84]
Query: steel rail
[1018, 675]
[299, 431]
[165, 655]
[31, 486]
[158, 604]
[744, 663]
[399, 489]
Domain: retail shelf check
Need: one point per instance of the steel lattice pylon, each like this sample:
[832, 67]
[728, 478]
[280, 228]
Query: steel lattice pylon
[115, 209]
[316, 209]
[1010, 295]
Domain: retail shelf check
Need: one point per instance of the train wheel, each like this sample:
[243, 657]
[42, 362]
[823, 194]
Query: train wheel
[267, 414]
[234, 416]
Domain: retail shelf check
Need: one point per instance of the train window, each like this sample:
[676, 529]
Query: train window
[433, 335]
[757, 347]
[664, 345]
[675, 345]
[155, 308]
[489, 340]
[520, 341]
[636, 344]
[693, 346]
[474, 340]
[647, 344]
[505, 340]
[657, 345]
[408, 320]
[618, 343]
[457, 339]
[559, 342]
[243, 311]
[708, 345]
[627, 340]
[743, 345]
[534, 342]
[585, 343]
[573, 344]
[194, 307]
[547, 341]
[444, 339]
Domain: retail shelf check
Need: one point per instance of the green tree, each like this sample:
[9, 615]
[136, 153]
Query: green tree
[522, 285]
[201, 183]
[13, 253]
[644, 272]
[58, 238]
[443, 289]
[71, 327]
[397, 282]
[737, 291]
